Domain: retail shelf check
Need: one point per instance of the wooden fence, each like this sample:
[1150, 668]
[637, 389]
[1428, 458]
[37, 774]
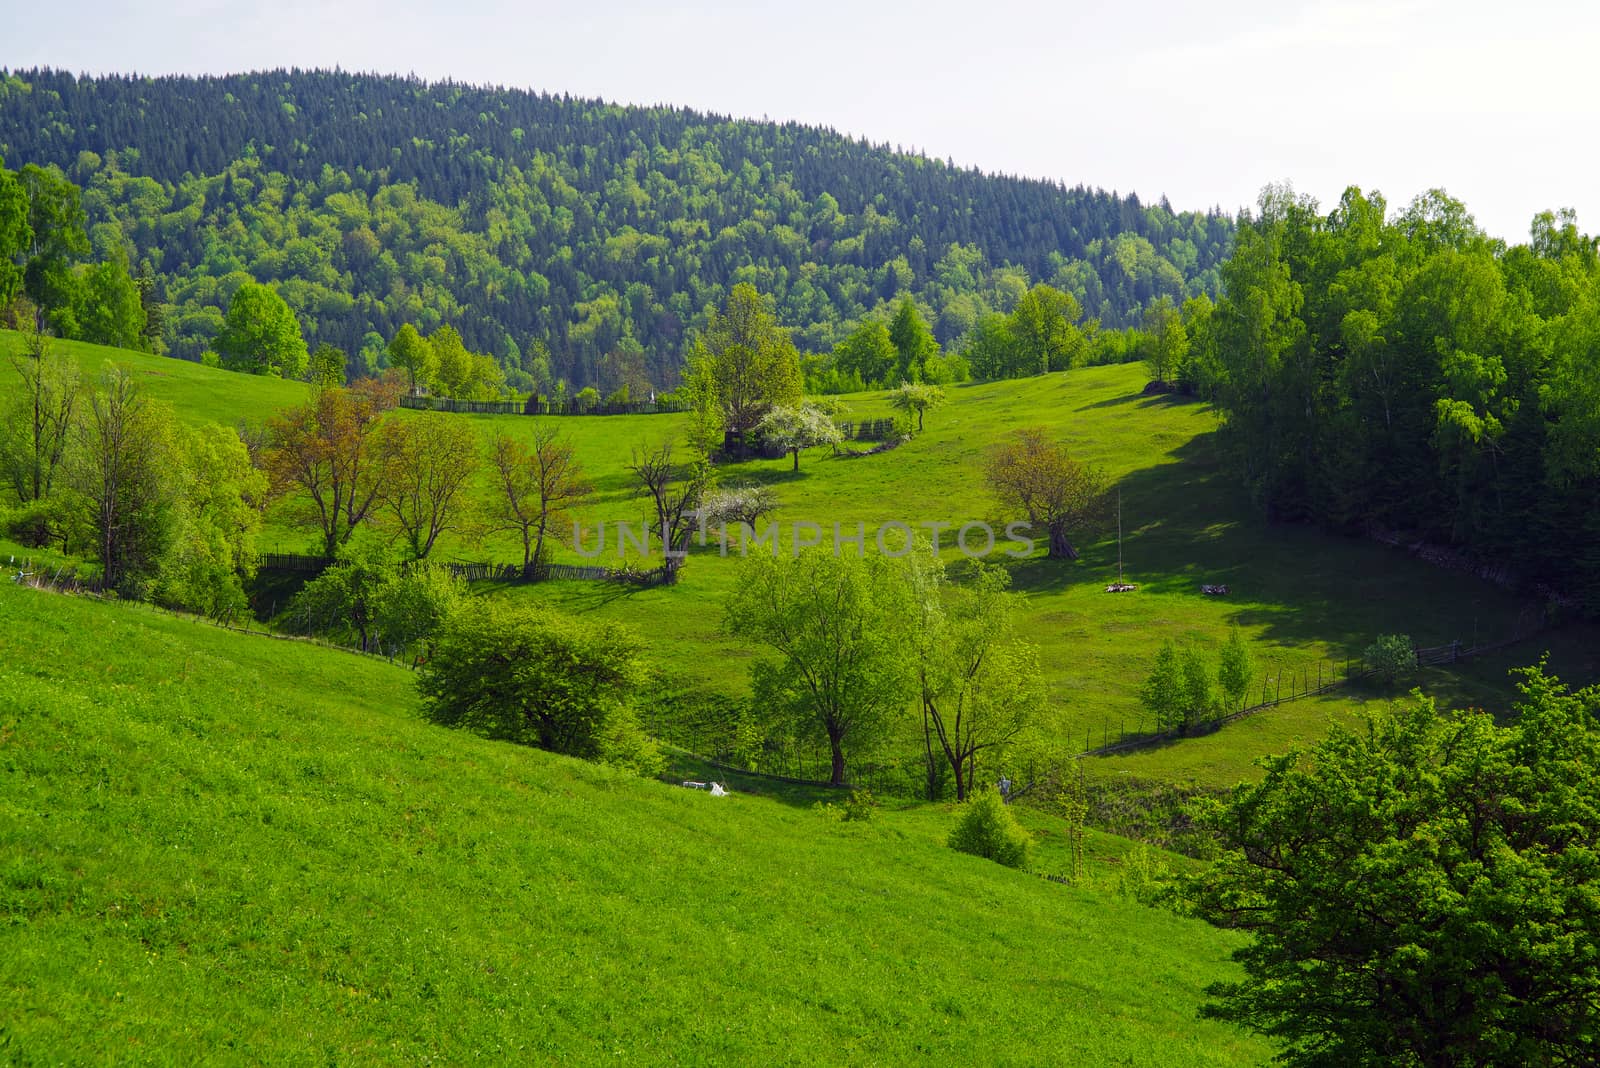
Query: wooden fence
[539, 406]
[868, 430]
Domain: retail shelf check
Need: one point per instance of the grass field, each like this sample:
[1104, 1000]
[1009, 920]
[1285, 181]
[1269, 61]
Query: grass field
[224, 848]
[1302, 598]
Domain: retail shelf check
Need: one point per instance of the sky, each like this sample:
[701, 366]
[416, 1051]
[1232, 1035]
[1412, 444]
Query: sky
[1204, 103]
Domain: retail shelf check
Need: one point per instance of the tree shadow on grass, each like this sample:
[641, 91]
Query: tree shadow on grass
[1190, 523]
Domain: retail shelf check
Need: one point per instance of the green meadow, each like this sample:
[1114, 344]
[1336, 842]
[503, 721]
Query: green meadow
[225, 848]
[1306, 601]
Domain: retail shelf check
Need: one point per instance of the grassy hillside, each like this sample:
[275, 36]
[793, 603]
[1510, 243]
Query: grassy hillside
[198, 394]
[1300, 597]
[241, 850]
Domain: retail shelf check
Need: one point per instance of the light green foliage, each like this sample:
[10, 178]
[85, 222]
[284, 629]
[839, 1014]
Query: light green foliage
[1166, 343]
[1144, 876]
[744, 364]
[1235, 669]
[261, 335]
[914, 344]
[120, 470]
[1043, 329]
[843, 666]
[461, 373]
[986, 828]
[40, 417]
[587, 397]
[1199, 699]
[1464, 848]
[916, 398]
[410, 352]
[868, 353]
[530, 675]
[979, 685]
[411, 603]
[109, 311]
[342, 600]
[56, 221]
[366, 596]
[1162, 694]
[326, 368]
[15, 234]
[1392, 657]
[215, 543]
[794, 428]
[1179, 690]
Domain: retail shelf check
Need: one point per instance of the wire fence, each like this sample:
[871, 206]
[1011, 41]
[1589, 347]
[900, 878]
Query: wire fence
[1301, 686]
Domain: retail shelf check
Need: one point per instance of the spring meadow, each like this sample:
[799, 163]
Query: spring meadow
[511, 558]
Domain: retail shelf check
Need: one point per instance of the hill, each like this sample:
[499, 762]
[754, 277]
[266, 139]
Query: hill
[223, 847]
[1307, 602]
[555, 231]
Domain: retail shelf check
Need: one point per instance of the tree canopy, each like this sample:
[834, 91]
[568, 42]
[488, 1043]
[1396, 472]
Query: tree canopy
[1422, 889]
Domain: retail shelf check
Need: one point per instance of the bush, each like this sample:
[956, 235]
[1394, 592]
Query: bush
[624, 744]
[1391, 657]
[988, 829]
[526, 674]
[1144, 876]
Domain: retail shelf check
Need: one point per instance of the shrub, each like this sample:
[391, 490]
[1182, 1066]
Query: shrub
[988, 829]
[859, 807]
[526, 674]
[1144, 876]
[1391, 657]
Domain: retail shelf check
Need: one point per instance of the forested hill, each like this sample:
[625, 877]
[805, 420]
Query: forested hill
[556, 229]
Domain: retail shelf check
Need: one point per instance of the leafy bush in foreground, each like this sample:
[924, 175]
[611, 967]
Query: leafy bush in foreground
[988, 829]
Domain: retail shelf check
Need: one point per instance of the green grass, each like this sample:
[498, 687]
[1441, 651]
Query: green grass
[1300, 597]
[197, 393]
[223, 848]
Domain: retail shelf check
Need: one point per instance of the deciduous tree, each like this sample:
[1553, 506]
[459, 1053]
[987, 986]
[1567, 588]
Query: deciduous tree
[676, 492]
[978, 683]
[1036, 475]
[527, 674]
[837, 624]
[261, 335]
[325, 452]
[744, 364]
[123, 471]
[410, 352]
[916, 398]
[427, 461]
[914, 343]
[536, 486]
[40, 421]
[796, 427]
[1421, 890]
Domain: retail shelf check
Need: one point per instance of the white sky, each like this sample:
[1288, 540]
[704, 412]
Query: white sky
[1499, 103]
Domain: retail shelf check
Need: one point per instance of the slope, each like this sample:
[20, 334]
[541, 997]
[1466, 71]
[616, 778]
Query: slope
[1306, 601]
[555, 232]
[229, 848]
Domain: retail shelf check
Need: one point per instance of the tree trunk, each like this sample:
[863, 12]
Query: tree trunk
[796, 459]
[1060, 547]
[835, 744]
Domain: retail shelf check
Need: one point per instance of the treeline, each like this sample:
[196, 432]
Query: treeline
[1412, 374]
[553, 232]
